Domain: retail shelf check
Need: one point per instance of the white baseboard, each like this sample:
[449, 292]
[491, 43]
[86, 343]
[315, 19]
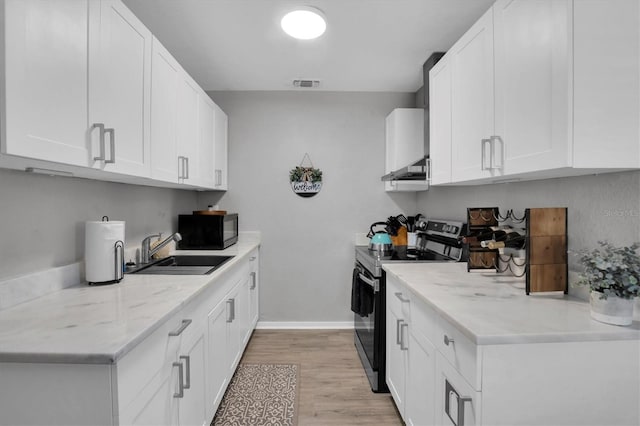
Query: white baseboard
[304, 325]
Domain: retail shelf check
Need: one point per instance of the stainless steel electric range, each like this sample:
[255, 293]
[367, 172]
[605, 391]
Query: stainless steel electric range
[439, 241]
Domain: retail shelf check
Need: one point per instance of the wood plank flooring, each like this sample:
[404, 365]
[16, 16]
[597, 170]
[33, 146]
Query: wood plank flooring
[333, 386]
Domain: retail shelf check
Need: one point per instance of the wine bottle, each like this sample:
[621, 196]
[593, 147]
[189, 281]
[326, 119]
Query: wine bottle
[513, 240]
[491, 233]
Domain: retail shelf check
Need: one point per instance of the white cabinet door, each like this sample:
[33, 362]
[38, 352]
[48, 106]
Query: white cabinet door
[456, 402]
[120, 86]
[254, 290]
[187, 127]
[440, 121]
[46, 80]
[420, 392]
[192, 406]
[532, 83]
[218, 372]
[220, 156]
[165, 76]
[472, 101]
[204, 172]
[396, 359]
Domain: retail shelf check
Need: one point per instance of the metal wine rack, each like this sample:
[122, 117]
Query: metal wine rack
[543, 261]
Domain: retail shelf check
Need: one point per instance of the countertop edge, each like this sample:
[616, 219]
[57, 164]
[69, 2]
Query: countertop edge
[113, 358]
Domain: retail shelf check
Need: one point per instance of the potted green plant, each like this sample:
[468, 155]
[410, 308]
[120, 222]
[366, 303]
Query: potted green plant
[613, 275]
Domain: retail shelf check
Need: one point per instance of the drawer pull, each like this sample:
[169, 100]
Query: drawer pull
[402, 299]
[398, 337]
[449, 392]
[253, 281]
[448, 340]
[187, 364]
[402, 346]
[185, 324]
[180, 392]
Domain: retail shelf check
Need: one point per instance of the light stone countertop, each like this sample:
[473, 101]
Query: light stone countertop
[491, 308]
[100, 324]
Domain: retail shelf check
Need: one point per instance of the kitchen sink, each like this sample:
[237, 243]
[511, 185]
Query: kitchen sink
[183, 265]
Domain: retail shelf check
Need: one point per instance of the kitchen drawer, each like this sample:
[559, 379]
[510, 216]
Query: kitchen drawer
[424, 318]
[151, 358]
[461, 352]
[398, 298]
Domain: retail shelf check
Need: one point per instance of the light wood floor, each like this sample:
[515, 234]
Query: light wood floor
[333, 387]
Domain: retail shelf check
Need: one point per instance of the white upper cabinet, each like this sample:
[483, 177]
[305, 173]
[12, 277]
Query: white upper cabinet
[46, 80]
[164, 106]
[472, 100]
[120, 89]
[220, 159]
[532, 69]
[541, 89]
[440, 121]
[206, 140]
[103, 99]
[404, 145]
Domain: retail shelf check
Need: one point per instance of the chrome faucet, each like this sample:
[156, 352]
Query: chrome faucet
[146, 251]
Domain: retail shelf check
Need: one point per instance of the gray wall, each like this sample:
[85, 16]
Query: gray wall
[307, 250]
[42, 217]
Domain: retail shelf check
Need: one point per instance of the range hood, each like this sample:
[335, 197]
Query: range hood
[415, 171]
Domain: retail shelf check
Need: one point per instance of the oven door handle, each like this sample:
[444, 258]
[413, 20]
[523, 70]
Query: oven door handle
[372, 282]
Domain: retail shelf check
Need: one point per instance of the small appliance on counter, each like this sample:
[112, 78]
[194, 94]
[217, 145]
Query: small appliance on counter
[104, 251]
[207, 231]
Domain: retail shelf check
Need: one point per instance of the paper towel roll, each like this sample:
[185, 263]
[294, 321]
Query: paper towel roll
[100, 251]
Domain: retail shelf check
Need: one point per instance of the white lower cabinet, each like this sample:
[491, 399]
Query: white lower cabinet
[438, 375]
[176, 376]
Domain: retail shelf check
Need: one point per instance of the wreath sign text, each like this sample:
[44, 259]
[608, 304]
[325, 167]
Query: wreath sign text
[306, 181]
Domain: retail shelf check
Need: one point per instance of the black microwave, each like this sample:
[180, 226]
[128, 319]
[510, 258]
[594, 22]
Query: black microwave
[207, 232]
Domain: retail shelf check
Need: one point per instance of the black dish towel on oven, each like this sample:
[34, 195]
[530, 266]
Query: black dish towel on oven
[361, 296]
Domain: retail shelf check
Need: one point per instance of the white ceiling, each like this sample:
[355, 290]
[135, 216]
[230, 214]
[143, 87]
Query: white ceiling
[369, 45]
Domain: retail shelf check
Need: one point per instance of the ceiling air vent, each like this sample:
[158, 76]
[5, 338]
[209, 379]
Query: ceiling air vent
[306, 83]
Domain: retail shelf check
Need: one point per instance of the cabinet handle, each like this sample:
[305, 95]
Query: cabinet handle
[230, 309]
[448, 340]
[460, 401]
[252, 258]
[483, 160]
[402, 346]
[185, 324]
[180, 392]
[398, 323]
[218, 174]
[101, 127]
[186, 159]
[180, 167]
[112, 146]
[253, 281]
[429, 171]
[187, 366]
[495, 139]
[402, 299]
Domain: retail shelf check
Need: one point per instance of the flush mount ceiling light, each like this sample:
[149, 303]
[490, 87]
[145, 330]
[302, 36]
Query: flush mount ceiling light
[304, 23]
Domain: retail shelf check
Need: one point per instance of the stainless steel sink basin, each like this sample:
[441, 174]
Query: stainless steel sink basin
[183, 265]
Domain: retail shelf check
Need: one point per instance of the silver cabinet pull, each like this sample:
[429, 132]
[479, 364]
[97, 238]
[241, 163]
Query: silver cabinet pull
[230, 310]
[498, 139]
[253, 281]
[180, 393]
[402, 299]
[483, 159]
[218, 174]
[180, 167]
[185, 324]
[429, 170]
[448, 340]
[112, 145]
[101, 127]
[398, 337]
[187, 366]
[186, 159]
[233, 309]
[252, 258]
[449, 391]
[402, 346]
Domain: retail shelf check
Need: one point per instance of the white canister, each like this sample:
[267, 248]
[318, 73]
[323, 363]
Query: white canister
[104, 251]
